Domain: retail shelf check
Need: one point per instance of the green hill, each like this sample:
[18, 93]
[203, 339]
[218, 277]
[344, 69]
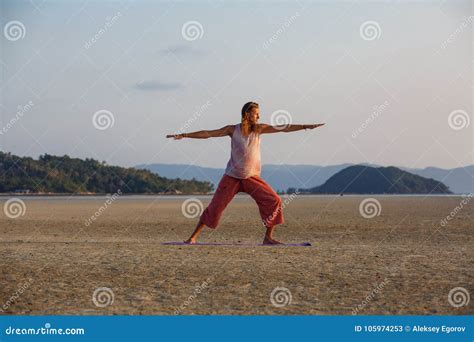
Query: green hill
[359, 179]
[71, 175]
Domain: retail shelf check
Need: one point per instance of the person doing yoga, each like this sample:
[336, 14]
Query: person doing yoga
[242, 173]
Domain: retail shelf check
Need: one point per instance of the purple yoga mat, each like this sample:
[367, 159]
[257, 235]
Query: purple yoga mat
[233, 244]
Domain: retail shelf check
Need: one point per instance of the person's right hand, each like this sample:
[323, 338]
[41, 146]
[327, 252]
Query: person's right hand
[316, 125]
[175, 136]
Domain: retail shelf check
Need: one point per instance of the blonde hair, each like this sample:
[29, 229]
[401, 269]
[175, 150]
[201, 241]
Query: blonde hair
[246, 126]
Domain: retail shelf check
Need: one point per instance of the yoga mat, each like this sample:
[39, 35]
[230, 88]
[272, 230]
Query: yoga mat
[234, 244]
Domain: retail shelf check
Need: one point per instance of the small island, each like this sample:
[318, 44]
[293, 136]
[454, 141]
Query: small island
[361, 179]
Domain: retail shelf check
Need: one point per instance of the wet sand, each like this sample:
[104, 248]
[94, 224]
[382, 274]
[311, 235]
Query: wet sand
[400, 262]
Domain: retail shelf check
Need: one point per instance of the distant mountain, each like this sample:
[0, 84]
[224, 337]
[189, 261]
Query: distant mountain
[55, 174]
[185, 171]
[282, 177]
[359, 179]
[459, 180]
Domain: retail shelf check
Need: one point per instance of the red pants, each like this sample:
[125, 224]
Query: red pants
[269, 204]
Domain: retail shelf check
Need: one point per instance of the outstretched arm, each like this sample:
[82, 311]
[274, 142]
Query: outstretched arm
[264, 128]
[221, 132]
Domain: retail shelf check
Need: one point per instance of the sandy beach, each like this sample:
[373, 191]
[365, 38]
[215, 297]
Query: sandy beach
[403, 261]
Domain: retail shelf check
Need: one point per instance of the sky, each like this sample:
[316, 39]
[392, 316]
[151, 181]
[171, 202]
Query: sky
[392, 80]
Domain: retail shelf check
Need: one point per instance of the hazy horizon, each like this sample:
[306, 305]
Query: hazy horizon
[270, 164]
[263, 164]
[392, 81]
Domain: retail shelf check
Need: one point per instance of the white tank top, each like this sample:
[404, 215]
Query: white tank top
[244, 159]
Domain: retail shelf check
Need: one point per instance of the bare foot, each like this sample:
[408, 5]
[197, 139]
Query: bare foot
[191, 241]
[270, 241]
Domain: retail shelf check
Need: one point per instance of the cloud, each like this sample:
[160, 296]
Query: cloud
[157, 86]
